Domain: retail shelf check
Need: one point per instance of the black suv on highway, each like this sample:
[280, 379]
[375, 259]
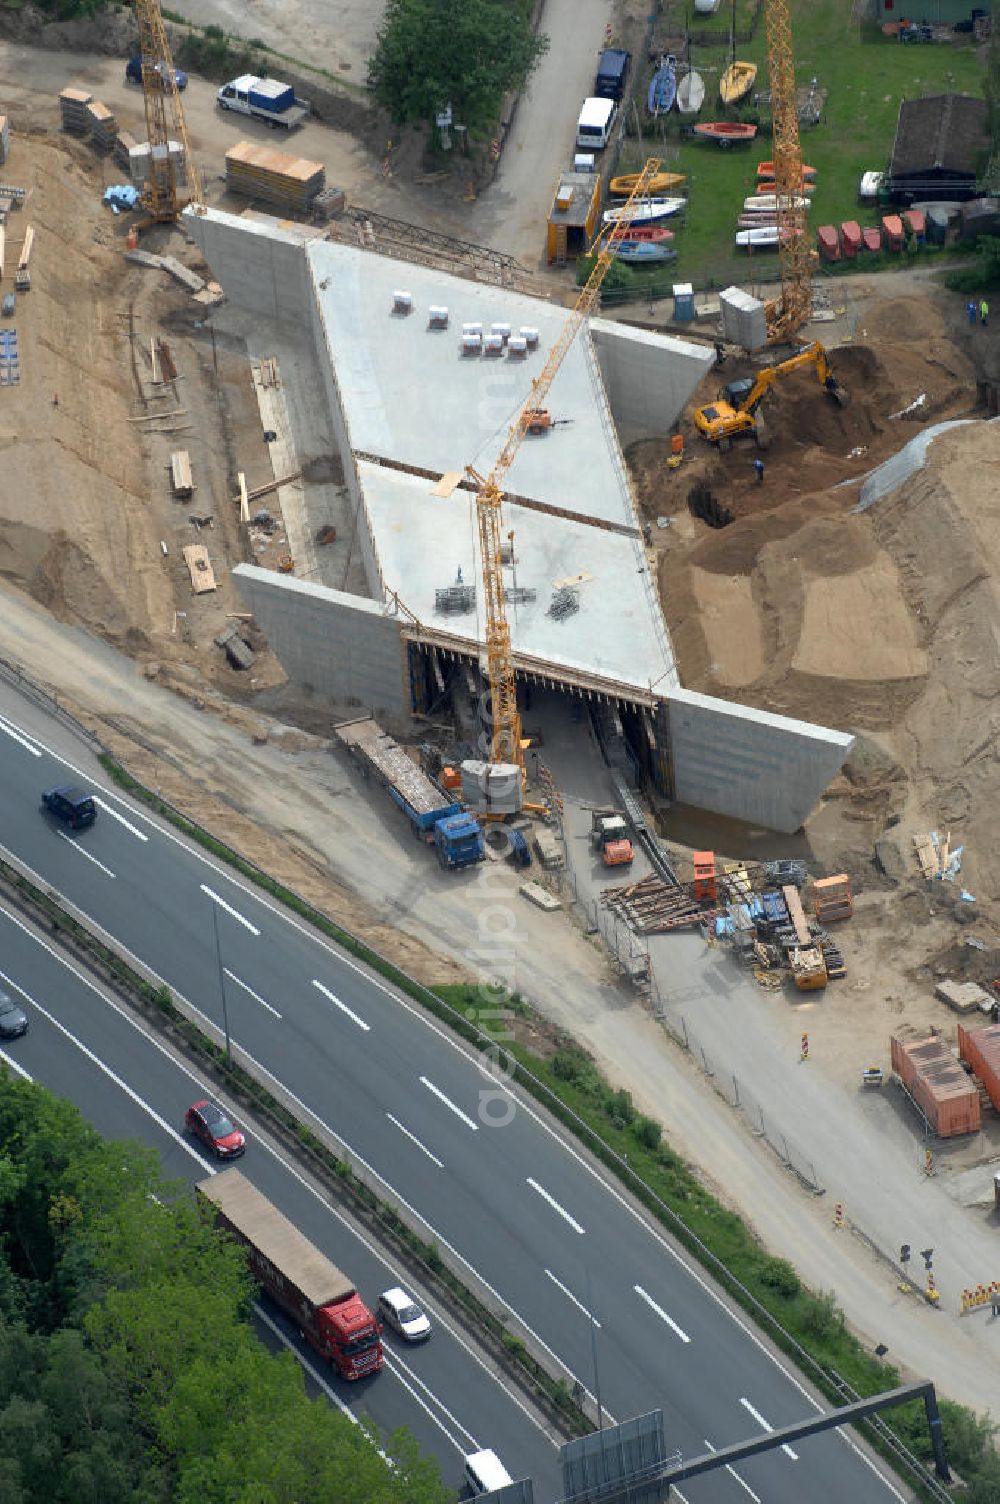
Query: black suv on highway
[70, 804]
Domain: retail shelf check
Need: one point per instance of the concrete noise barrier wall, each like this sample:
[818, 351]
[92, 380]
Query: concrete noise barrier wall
[340, 648]
[767, 770]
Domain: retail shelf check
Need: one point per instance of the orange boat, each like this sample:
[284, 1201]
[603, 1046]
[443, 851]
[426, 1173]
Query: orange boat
[726, 131]
[893, 227]
[766, 170]
[829, 242]
[872, 239]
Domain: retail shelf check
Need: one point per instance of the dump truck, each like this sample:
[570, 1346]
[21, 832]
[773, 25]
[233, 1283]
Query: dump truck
[737, 411]
[318, 1297]
[609, 835]
[434, 815]
[266, 99]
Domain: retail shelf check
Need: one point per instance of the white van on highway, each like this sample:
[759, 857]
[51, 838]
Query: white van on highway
[594, 125]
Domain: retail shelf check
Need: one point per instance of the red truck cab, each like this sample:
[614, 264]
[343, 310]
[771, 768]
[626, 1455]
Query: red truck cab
[312, 1291]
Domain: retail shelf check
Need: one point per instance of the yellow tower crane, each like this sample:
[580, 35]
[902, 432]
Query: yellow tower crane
[506, 744]
[796, 257]
[164, 196]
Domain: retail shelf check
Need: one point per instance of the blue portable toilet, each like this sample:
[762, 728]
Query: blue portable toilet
[683, 302]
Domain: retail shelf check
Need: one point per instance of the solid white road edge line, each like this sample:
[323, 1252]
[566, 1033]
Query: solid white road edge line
[555, 1205]
[255, 995]
[437, 1092]
[671, 1323]
[234, 913]
[766, 1426]
[16, 736]
[413, 1139]
[354, 1017]
[15, 1066]
[370, 1247]
[570, 1296]
[741, 1481]
[80, 850]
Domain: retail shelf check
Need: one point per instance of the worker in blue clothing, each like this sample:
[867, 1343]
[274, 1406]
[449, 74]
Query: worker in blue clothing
[758, 466]
[970, 309]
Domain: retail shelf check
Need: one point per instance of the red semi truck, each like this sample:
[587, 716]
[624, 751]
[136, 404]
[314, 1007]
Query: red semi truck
[313, 1292]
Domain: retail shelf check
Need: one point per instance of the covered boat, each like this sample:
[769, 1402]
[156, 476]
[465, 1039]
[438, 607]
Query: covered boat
[871, 239]
[644, 252]
[662, 183]
[829, 242]
[850, 238]
[663, 87]
[737, 81]
[690, 93]
[892, 226]
[726, 131]
[648, 211]
[917, 222]
[760, 238]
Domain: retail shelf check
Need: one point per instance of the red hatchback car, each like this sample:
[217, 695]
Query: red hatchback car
[209, 1123]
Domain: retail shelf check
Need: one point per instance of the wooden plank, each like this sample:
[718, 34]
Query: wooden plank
[572, 579]
[797, 915]
[152, 360]
[199, 567]
[180, 473]
[2, 237]
[447, 484]
[26, 244]
[926, 855]
[244, 504]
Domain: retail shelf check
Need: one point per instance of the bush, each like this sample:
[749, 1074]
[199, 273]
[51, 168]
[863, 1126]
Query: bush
[619, 1106]
[647, 1132]
[779, 1276]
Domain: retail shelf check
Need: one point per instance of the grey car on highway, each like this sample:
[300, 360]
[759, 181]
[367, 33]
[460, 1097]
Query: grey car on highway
[13, 1019]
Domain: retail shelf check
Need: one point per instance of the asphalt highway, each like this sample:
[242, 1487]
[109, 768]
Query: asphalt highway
[82, 1044]
[534, 1223]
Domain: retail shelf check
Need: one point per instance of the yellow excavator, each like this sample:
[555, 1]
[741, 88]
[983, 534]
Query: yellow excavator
[736, 409]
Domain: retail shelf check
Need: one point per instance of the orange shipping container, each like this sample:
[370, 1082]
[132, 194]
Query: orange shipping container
[981, 1048]
[938, 1084]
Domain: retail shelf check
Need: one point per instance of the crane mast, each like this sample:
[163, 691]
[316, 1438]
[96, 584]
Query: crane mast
[506, 733]
[795, 254]
[164, 121]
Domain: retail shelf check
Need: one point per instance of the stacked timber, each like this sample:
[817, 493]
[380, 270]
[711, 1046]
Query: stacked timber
[125, 143]
[4, 139]
[73, 110]
[275, 176]
[652, 906]
[103, 126]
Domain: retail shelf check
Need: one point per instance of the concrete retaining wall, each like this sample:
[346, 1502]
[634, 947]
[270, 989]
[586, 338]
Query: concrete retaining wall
[648, 377]
[340, 648]
[764, 769]
[261, 266]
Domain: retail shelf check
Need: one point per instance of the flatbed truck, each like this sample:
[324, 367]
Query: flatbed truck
[436, 818]
[299, 1278]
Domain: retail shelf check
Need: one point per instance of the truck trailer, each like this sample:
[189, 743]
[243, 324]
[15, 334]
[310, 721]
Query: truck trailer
[299, 1278]
[266, 99]
[434, 815]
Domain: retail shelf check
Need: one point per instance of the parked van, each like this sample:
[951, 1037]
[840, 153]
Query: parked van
[594, 125]
[612, 70]
[484, 1472]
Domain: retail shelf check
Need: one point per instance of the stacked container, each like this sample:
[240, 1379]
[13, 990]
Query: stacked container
[981, 1048]
[938, 1084]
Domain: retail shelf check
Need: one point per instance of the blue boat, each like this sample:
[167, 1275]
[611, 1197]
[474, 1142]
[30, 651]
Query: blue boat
[663, 87]
[644, 252]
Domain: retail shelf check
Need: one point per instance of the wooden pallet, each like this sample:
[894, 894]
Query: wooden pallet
[199, 567]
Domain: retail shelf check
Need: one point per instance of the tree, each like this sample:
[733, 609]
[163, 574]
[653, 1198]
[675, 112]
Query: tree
[463, 53]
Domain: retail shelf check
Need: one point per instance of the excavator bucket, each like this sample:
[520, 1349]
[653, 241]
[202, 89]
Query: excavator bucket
[839, 393]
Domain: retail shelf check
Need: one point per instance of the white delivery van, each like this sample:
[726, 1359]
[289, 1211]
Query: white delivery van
[594, 125]
[484, 1472]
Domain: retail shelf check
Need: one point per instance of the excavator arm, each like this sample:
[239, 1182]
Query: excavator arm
[733, 415]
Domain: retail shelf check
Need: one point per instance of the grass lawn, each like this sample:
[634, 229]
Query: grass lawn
[865, 76]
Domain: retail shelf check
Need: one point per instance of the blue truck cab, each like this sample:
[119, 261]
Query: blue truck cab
[459, 840]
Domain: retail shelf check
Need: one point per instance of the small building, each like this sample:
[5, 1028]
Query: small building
[940, 142]
[574, 216]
